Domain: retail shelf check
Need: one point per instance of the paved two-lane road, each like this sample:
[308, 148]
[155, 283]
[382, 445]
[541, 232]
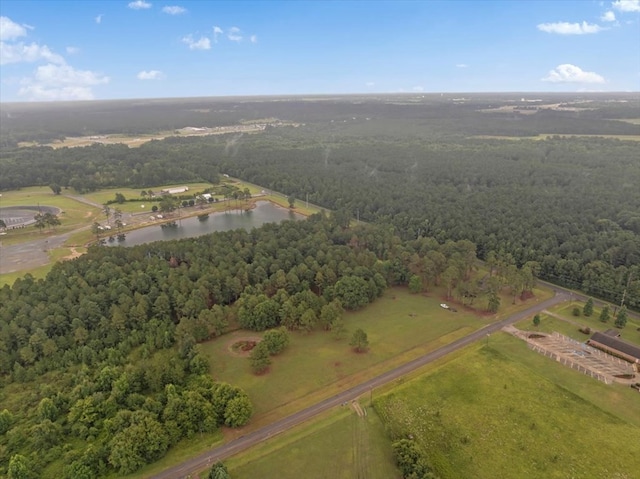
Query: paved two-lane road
[237, 445]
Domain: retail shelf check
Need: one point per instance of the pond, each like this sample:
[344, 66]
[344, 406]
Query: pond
[264, 212]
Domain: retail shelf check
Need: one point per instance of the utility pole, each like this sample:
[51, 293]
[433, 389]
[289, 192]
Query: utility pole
[624, 293]
[307, 200]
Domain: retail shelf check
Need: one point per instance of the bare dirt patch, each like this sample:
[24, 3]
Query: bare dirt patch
[355, 405]
[241, 347]
[74, 254]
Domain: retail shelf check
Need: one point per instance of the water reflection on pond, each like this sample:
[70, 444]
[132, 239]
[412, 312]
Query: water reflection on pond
[264, 212]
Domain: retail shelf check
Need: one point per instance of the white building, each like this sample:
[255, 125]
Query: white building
[175, 191]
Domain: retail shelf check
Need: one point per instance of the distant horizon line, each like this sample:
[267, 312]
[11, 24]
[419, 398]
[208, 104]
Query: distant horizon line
[330, 95]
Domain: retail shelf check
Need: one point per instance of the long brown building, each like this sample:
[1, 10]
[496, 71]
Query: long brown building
[610, 342]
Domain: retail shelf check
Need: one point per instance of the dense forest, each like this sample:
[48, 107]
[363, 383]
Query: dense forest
[570, 204]
[101, 358]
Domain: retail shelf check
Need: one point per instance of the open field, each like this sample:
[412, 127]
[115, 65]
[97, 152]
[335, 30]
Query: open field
[633, 121]
[400, 327]
[254, 126]
[138, 140]
[504, 411]
[339, 445]
[545, 136]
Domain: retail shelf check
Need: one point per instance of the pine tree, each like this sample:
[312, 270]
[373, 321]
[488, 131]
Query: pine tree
[588, 308]
[604, 314]
[621, 319]
[536, 320]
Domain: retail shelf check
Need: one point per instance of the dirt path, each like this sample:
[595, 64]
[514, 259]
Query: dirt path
[254, 437]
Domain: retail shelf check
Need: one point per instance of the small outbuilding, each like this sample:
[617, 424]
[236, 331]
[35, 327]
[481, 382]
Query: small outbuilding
[174, 191]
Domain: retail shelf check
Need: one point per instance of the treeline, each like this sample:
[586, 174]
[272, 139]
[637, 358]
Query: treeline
[103, 353]
[99, 166]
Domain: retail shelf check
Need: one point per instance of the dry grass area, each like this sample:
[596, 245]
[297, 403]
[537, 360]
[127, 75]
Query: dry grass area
[136, 141]
[529, 107]
[545, 136]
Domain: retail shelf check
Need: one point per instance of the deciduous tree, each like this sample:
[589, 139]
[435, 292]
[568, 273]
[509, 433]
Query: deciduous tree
[259, 359]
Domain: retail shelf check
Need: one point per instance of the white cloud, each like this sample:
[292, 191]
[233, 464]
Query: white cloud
[370, 84]
[174, 10]
[216, 31]
[61, 82]
[253, 38]
[150, 75]
[23, 53]
[461, 65]
[627, 5]
[72, 50]
[10, 30]
[202, 44]
[608, 16]
[418, 88]
[99, 18]
[567, 73]
[566, 28]
[139, 5]
[234, 34]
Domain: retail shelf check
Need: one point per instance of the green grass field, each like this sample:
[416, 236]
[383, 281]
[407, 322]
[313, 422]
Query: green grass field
[338, 445]
[400, 327]
[109, 194]
[504, 411]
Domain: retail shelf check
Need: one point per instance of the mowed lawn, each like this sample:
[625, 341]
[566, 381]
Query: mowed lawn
[505, 411]
[109, 194]
[339, 445]
[400, 327]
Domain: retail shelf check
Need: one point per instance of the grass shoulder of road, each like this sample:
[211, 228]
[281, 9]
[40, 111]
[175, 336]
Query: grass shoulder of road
[502, 410]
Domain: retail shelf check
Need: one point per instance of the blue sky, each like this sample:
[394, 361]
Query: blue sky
[54, 50]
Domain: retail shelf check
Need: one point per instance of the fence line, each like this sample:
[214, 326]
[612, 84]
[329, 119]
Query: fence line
[573, 365]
